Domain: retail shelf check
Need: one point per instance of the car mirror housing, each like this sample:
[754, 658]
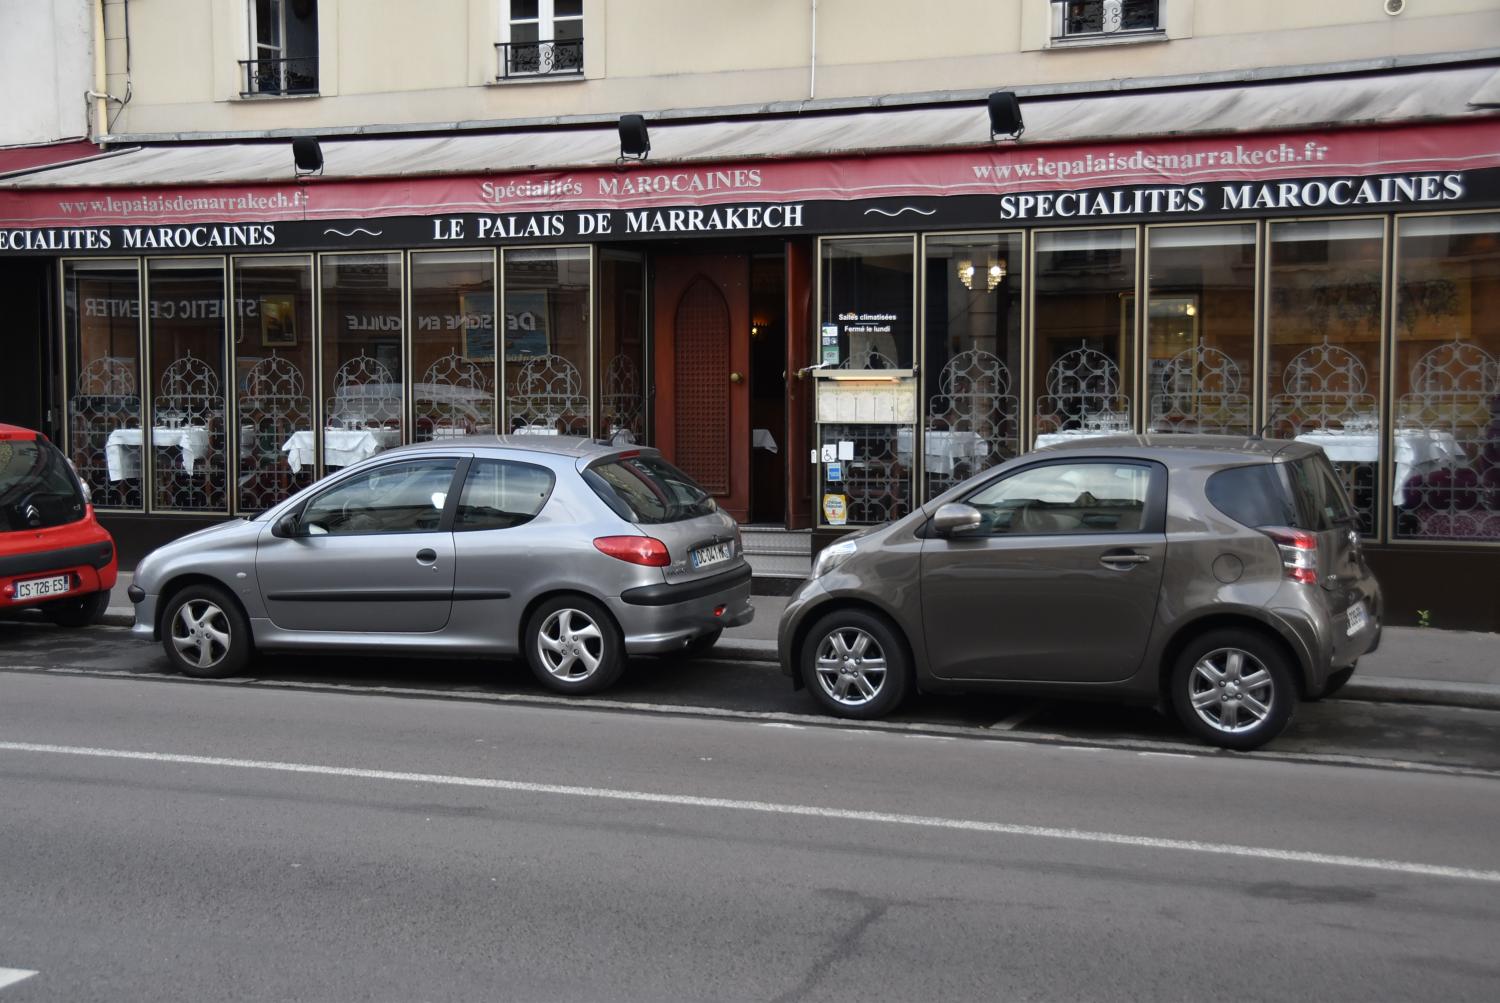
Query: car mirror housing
[954, 518]
[287, 526]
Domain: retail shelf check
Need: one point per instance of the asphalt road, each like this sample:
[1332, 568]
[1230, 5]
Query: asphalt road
[166, 840]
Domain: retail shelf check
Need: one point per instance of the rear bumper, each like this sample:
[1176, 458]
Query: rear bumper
[675, 615]
[90, 567]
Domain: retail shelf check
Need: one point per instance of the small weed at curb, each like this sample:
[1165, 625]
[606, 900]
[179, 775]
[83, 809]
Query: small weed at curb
[1424, 618]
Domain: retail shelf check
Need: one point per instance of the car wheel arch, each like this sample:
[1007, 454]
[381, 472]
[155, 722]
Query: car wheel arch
[537, 600]
[175, 585]
[836, 604]
[1238, 620]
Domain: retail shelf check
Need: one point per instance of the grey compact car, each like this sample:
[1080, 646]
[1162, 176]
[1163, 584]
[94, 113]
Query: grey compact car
[1219, 576]
[569, 551]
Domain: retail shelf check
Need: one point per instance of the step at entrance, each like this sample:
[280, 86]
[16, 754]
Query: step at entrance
[775, 552]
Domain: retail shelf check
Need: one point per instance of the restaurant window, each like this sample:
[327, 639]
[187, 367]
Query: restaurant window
[102, 324]
[866, 397]
[362, 371]
[542, 38]
[1104, 20]
[1446, 378]
[185, 323]
[971, 355]
[1200, 328]
[1323, 328]
[273, 377]
[547, 372]
[283, 48]
[453, 344]
[622, 345]
[1085, 333]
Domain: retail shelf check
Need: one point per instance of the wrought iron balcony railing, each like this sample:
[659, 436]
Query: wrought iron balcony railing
[298, 75]
[559, 57]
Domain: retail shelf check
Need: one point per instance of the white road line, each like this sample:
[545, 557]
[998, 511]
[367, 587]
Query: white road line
[10, 976]
[774, 808]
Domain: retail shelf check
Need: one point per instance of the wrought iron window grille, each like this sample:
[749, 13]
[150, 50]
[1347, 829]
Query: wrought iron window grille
[552, 57]
[1103, 20]
[297, 75]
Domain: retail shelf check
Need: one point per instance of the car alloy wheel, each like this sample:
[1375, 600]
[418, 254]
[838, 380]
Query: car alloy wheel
[570, 645]
[201, 634]
[1231, 690]
[851, 666]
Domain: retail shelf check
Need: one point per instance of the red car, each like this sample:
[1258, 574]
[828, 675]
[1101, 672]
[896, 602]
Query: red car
[54, 555]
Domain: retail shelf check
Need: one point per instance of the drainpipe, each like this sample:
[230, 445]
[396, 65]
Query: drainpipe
[100, 95]
[812, 64]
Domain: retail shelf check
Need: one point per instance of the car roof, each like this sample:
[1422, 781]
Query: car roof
[574, 446]
[17, 432]
[1176, 449]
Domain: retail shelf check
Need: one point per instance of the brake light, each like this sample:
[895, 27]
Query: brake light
[645, 550]
[1299, 554]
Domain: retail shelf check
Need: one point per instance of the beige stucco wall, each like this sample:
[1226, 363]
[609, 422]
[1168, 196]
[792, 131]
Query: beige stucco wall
[414, 62]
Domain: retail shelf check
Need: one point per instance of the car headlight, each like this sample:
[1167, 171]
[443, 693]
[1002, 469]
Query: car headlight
[832, 556]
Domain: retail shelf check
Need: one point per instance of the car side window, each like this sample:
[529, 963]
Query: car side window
[499, 494]
[391, 498]
[1066, 498]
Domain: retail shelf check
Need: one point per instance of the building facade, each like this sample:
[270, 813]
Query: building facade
[823, 275]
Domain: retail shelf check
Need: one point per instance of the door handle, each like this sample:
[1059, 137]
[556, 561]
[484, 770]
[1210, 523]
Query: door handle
[1114, 560]
[427, 555]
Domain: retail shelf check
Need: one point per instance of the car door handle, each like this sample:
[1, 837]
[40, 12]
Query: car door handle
[1116, 560]
[427, 555]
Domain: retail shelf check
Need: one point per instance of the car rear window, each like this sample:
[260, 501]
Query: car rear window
[648, 489]
[37, 489]
[1253, 496]
[1319, 494]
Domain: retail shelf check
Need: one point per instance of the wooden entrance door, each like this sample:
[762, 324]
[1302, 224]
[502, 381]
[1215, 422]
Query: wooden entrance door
[702, 336]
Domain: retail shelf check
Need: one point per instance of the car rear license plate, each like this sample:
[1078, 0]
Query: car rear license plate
[40, 588]
[1357, 619]
[713, 553]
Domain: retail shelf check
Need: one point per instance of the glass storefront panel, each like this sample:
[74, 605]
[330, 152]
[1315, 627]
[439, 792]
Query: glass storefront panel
[1085, 333]
[1446, 379]
[102, 331]
[547, 375]
[273, 377]
[362, 371]
[622, 345]
[185, 322]
[1323, 353]
[867, 298]
[1200, 329]
[971, 355]
[453, 343]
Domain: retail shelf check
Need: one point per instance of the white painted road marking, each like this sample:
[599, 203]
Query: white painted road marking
[10, 976]
[774, 808]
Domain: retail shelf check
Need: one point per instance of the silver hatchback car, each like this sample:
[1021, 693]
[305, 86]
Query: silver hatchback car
[569, 551]
[1220, 577]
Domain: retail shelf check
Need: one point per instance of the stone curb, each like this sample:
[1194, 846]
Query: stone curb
[1369, 690]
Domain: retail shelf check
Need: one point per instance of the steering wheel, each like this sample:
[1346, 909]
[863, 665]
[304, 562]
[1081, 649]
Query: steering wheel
[353, 516]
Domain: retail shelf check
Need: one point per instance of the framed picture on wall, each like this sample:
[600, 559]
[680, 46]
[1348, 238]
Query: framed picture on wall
[527, 325]
[478, 310]
[278, 321]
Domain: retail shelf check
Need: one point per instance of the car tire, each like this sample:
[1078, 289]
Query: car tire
[855, 664]
[1334, 682]
[205, 633]
[82, 611]
[702, 644]
[1234, 689]
[574, 646]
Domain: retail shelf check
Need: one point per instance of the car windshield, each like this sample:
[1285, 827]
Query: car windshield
[36, 488]
[647, 489]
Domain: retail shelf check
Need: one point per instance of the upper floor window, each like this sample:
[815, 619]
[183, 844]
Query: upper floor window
[1104, 20]
[543, 38]
[283, 48]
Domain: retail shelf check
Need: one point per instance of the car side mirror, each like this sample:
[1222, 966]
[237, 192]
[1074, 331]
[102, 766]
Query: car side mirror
[288, 526]
[955, 518]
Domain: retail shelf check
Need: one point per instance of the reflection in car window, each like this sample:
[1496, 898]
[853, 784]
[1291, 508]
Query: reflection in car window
[36, 488]
[647, 490]
[392, 498]
[1097, 497]
[499, 494]
[1324, 504]
[1253, 496]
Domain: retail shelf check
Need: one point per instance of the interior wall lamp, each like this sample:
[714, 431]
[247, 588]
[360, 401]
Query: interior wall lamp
[994, 273]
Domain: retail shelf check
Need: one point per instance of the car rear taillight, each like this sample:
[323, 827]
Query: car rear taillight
[645, 550]
[1299, 554]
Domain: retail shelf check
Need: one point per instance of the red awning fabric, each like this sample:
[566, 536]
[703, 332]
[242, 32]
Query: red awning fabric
[15, 159]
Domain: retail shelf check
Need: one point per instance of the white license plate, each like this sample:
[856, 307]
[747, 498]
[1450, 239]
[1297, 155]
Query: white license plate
[1357, 619]
[714, 553]
[39, 588]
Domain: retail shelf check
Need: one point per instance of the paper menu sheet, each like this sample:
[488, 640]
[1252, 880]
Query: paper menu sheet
[870, 403]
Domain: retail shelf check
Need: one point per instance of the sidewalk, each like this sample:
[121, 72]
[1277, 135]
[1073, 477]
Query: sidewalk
[1414, 665]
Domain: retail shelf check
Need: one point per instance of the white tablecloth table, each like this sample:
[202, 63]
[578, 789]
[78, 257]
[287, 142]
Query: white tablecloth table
[1417, 451]
[122, 448]
[761, 438]
[341, 446]
[1074, 434]
[942, 450]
